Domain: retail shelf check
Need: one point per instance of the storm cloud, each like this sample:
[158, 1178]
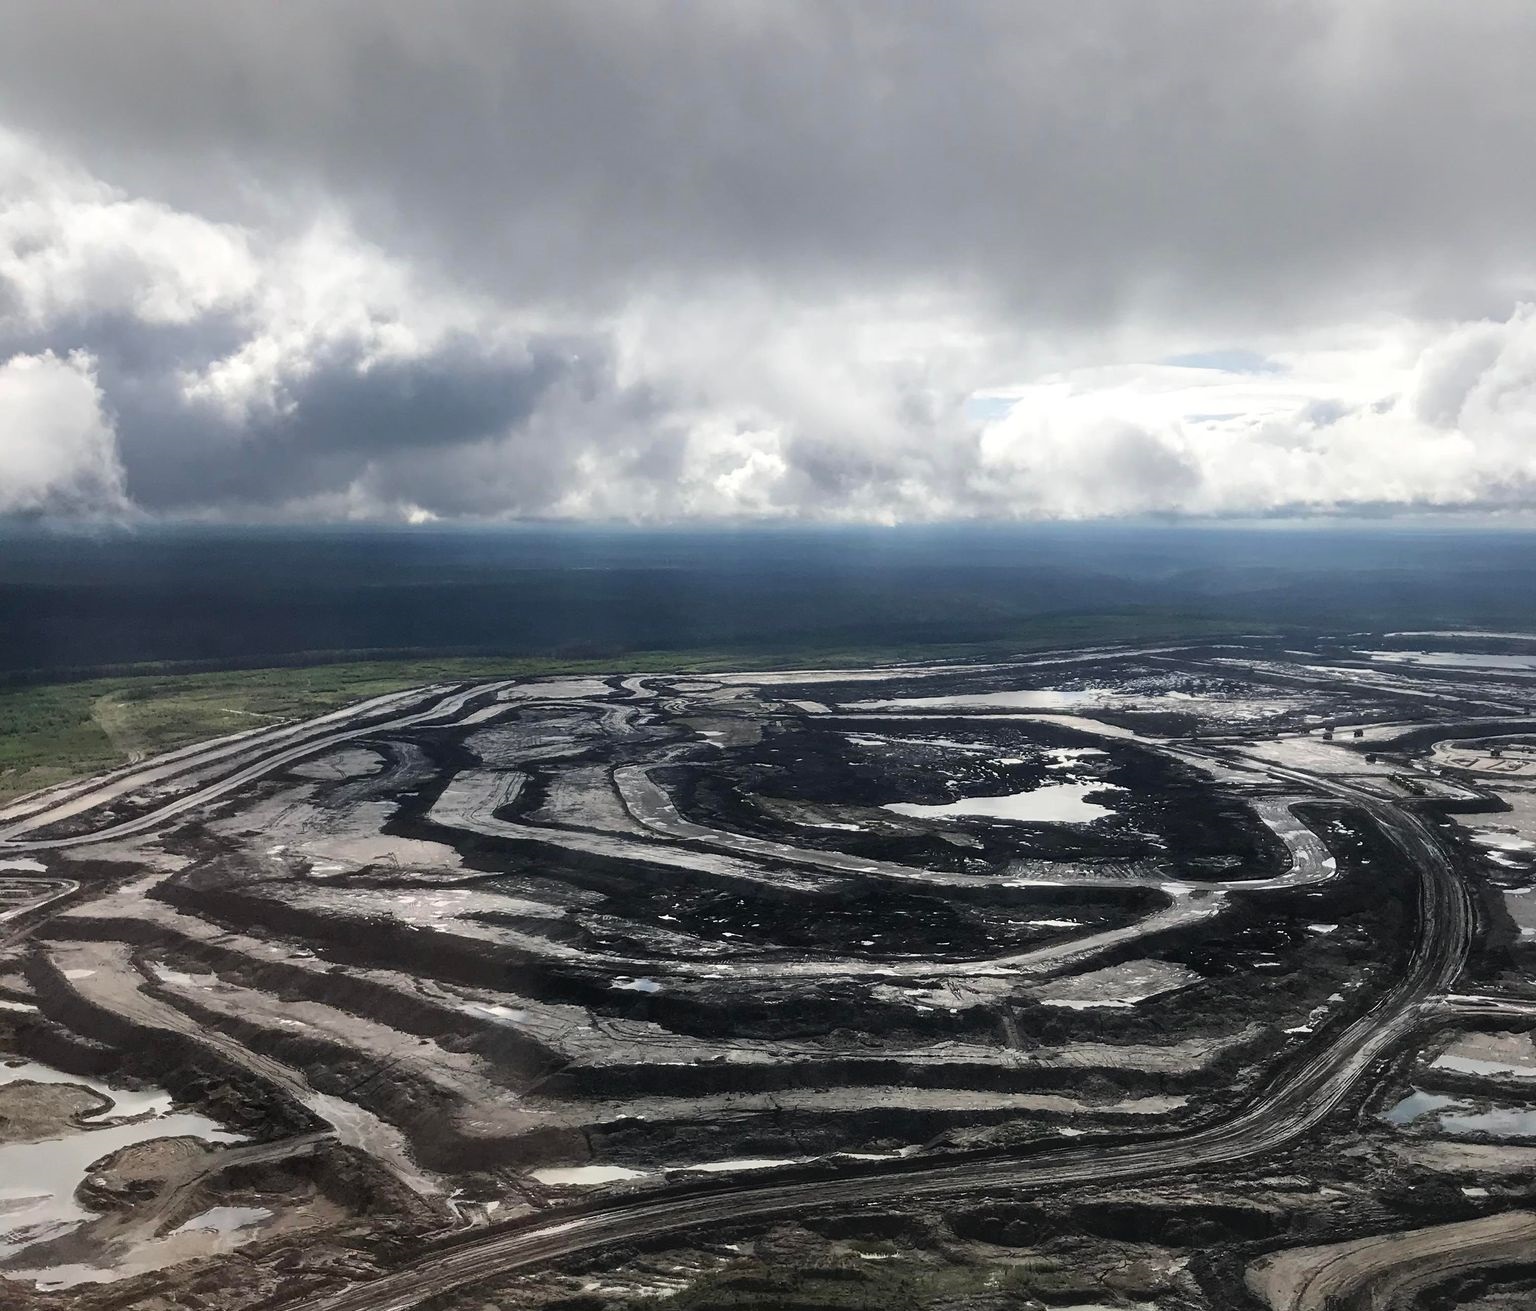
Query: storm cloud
[880, 261]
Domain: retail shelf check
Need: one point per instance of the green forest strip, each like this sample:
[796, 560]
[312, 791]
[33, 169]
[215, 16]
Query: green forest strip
[51, 731]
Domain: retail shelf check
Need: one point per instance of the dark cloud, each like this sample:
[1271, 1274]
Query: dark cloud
[127, 349]
[1231, 163]
[339, 422]
[671, 259]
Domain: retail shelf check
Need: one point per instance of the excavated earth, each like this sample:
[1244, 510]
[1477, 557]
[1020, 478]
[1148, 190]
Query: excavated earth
[283, 1015]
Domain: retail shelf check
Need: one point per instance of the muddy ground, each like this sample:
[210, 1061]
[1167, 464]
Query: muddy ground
[599, 938]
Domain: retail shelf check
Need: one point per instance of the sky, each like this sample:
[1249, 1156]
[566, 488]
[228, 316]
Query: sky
[777, 260]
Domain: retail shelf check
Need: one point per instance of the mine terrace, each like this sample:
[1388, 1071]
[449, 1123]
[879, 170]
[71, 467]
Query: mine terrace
[1175, 977]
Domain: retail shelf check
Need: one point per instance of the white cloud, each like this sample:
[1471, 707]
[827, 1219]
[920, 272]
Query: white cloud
[297, 370]
[71, 246]
[57, 449]
[1419, 418]
[322, 293]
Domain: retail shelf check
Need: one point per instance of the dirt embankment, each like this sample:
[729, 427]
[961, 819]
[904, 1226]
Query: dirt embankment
[334, 985]
[1388, 1272]
[32, 1111]
[189, 1069]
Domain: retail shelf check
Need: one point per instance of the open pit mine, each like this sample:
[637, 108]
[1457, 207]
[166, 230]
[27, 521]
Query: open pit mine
[1174, 978]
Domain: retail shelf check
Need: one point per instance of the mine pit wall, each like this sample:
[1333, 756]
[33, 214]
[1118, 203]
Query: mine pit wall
[529, 852]
[1498, 948]
[521, 1059]
[1128, 1218]
[1407, 1071]
[1509, 1278]
[590, 1082]
[386, 944]
[1498, 934]
[424, 1112]
[485, 965]
[801, 1014]
[796, 1132]
[41, 1039]
[521, 1062]
[447, 956]
[429, 1117]
[456, 959]
[346, 1175]
[190, 1072]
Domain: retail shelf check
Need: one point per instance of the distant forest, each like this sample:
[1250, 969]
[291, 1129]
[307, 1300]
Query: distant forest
[74, 606]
